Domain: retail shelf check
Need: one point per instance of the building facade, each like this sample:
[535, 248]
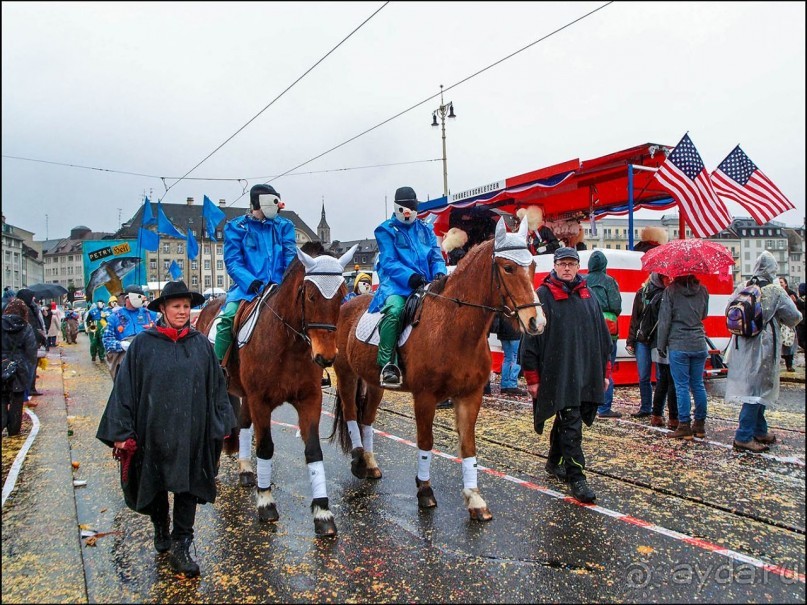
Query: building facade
[22, 257]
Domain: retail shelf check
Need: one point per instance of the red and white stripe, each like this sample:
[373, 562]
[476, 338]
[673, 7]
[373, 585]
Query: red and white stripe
[759, 196]
[705, 213]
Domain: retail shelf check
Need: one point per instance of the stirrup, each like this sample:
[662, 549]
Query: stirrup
[397, 371]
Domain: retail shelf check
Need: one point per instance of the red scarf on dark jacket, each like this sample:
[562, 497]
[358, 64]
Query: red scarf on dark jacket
[173, 333]
[561, 290]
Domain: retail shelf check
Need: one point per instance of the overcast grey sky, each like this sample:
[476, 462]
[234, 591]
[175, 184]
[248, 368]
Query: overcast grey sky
[153, 88]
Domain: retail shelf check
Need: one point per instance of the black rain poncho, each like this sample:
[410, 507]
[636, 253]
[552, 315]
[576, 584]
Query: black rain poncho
[171, 397]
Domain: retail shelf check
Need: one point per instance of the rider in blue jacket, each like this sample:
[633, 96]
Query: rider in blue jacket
[258, 247]
[408, 258]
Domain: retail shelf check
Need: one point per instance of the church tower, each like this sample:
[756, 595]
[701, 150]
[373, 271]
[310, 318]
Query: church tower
[323, 230]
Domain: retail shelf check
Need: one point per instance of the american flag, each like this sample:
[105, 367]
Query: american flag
[684, 175]
[739, 179]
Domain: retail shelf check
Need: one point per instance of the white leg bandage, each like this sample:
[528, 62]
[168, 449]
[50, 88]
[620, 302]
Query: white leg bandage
[264, 473]
[245, 443]
[469, 472]
[424, 463]
[355, 433]
[316, 473]
[367, 437]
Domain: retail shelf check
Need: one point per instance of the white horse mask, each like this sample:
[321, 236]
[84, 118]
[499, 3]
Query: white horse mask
[325, 272]
[512, 246]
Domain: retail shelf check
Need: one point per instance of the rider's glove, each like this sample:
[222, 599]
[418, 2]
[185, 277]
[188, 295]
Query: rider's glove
[416, 280]
[255, 287]
[439, 275]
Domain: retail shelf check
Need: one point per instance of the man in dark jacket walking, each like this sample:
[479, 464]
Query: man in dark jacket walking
[19, 345]
[27, 296]
[567, 368]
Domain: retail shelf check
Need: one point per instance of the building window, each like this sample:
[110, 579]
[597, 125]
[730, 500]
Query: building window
[166, 248]
[70, 258]
[194, 264]
[220, 265]
[207, 264]
[194, 280]
[218, 233]
[219, 249]
[152, 264]
[166, 264]
[219, 281]
[180, 249]
[207, 281]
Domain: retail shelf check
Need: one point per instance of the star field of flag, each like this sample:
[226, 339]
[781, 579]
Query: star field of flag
[686, 158]
[737, 166]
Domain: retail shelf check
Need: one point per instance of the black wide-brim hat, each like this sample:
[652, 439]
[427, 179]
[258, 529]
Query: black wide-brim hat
[176, 289]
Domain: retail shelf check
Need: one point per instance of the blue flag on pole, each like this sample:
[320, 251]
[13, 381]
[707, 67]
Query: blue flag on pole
[193, 245]
[148, 215]
[175, 270]
[165, 226]
[213, 216]
[149, 240]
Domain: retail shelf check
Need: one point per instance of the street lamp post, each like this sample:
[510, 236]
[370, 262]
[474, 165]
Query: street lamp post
[442, 111]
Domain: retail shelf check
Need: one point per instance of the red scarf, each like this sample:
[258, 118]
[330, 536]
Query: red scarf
[173, 333]
[560, 289]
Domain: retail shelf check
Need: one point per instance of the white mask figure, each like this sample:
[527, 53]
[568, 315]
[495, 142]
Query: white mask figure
[270, 205]
[363, 287]
[136, 300]
[406, 215]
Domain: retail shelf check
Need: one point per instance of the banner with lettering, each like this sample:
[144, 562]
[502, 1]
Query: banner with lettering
[110, 266]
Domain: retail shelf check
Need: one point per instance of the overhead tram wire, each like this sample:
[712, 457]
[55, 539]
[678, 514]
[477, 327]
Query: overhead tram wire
[446, 89]
[208, 156]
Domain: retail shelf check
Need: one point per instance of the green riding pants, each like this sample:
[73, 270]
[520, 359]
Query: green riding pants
[224, 331]
[390, 329]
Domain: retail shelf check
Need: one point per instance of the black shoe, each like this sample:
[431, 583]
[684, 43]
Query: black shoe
[391, 377]
[162, 536]
[556, 470]
[640, 414]
[445, 405]
[486, 391]
[581, 491]
[514, 391]
[610, 414]
[181, 561]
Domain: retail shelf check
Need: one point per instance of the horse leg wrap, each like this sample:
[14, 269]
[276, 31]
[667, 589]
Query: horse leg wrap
[267, 509]
[355, 434]
[476, 506]
[469, 473]
[264, 473]
[424, 464]
[358, 465]
[245, 443]
[246, 478]
[367, 437]
[426, 497]
[316, 474]
[324, 524]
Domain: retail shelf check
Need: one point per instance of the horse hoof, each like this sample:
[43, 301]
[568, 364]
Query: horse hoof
[426, 497]
[358, 466]
[325, 528]
[246, 479]
[374, 473]
[268, 513]
[480, 514]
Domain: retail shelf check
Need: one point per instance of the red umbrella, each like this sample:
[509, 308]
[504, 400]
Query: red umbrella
[689, 257]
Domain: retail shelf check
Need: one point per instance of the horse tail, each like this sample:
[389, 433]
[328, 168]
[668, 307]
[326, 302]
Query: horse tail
[231, 442]
[339, 424]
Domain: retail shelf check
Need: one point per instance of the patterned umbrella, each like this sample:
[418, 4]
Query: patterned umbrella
[689, 257]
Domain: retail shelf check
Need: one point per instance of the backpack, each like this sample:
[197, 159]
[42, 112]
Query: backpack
[744, 314]
[648, 320]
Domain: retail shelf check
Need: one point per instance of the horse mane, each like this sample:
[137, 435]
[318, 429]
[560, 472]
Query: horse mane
[484, 248]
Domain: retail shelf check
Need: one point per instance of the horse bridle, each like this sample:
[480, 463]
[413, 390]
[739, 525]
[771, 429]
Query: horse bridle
[504, 309]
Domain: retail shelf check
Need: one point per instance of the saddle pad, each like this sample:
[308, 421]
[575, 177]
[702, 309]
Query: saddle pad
[367, 329]
[245, 331]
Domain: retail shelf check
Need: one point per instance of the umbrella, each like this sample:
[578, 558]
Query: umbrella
[48, 290]
[689, 257]
[214, 292]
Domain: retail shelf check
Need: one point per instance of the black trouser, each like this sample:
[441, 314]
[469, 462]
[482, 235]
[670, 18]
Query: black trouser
[184, 513]
[788, 360]
[566, 442]
[12, 412]
[665, 389]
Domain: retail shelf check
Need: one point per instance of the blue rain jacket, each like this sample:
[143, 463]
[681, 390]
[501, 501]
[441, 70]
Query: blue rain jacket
[257, 249]
[402, 251]
[124, 323]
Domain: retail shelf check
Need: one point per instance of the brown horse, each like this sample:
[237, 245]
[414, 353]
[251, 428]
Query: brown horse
[293, 340]
[446, 355]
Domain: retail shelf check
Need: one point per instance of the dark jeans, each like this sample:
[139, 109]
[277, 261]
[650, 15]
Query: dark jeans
[566, 443]
[609, 392]
[12, 411]
[184, 513]
[752, 423]
[665, 389]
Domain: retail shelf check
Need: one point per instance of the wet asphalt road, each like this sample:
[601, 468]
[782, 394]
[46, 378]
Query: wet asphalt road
[664, 507]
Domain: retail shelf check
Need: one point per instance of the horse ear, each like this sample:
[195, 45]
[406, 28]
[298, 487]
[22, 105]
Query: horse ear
[523, 228]
[307, 261]
[347, 257]
[501, 234]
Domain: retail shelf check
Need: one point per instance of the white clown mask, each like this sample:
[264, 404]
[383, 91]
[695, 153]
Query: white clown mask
[406, 215]
[136, 300]
[363, 287]
[325, 272]
[270, 205]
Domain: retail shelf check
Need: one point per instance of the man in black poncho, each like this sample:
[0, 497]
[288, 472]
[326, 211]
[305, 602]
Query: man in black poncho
[170, 398]
[567, 368]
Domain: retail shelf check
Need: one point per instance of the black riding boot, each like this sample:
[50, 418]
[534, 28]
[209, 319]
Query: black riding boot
[181, 561]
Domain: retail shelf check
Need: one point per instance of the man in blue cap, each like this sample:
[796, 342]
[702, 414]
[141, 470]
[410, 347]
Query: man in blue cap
[408, 258]
[258, 247]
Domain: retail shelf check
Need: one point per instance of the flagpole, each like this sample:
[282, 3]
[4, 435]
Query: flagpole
[213, 263]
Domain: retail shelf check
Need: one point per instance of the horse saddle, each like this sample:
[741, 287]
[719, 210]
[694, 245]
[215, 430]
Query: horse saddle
[247, 316]
[367, 329]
